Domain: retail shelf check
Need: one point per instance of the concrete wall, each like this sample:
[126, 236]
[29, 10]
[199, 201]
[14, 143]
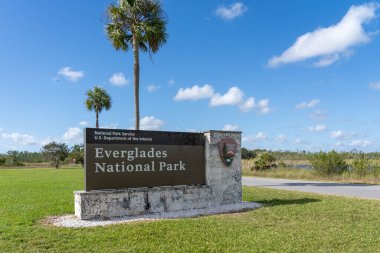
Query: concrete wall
[223, 186]
[224, 181]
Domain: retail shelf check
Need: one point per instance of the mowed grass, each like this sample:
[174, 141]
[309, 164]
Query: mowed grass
[289, 222]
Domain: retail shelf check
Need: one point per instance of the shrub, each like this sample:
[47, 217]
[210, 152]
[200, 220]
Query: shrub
[55, 152]
[12, 159]
[247, 154]
[265, 161]
[77, 154]
[329, 163]
[361, 165]
[376, 171]
[2, 160]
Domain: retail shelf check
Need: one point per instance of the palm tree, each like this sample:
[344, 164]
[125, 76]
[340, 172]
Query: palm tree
[97, 99]
[140, 25]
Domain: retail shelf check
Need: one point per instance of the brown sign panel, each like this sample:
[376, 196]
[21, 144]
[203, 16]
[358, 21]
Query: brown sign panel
[116, 159]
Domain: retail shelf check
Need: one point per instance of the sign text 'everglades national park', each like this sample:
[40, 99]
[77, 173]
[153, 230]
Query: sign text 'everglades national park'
[116, 159]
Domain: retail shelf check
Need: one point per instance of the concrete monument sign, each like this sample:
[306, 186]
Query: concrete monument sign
[154, 172]
[116, 159]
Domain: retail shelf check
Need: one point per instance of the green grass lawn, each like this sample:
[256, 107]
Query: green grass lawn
[289, 222]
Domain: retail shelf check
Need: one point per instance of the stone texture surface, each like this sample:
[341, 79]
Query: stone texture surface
[224, 181]
[223, 187]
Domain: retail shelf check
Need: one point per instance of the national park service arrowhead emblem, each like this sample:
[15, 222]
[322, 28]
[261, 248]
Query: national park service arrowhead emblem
[227, 150]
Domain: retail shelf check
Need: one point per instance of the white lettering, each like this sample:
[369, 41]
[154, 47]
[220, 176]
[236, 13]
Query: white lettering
[130, 155]
[108, 153]
[123, 153]
[98, 166]
[162, 165]
[152, 165]
[130, 168]
[138, 167]
[142, 154]
[110, 168]
[151, 153]
[99, 153]
[182, 165]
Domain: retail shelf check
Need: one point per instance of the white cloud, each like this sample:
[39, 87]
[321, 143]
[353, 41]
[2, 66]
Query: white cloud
[264, 106]
[318, 115]
[307, 105]
[229, 127]
[118, 79]
[73, 135]
[331, 43]
[231, 12]
[152, 87]
[375, 86]
[318, 128]
[48, 140]
[298, 141]
[248, 105]
[234, 96]
[171, 82]
[281, 138]
[337, 134]
[83, 123]
[151, 123]
[361, 143]
[340, 135]
[255, 138]
[70, 74]
[326, 61]
[20, 139]
[195, 93]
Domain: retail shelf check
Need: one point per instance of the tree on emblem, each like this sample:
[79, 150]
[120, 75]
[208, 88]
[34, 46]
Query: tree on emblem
[227, 150]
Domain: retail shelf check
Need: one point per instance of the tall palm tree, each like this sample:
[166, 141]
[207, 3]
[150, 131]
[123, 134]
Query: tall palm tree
[97, 99]
[140, 25]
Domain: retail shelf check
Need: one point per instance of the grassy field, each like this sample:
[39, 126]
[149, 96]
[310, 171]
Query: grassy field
[289, 222]
[306, 174]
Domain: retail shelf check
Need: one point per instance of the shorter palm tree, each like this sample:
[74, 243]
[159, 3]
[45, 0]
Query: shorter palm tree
[97, 99]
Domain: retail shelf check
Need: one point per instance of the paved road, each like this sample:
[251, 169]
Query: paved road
[353, 190]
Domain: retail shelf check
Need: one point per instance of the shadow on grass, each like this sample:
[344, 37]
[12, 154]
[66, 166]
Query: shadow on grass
[280, 202]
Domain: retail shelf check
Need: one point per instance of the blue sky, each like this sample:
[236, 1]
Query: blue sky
[291, 75]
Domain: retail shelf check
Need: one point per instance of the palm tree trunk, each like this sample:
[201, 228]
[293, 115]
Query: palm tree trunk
[97, 119]
[136, 81]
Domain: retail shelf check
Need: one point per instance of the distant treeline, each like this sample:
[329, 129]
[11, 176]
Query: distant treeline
[20, 158]
[302, 155]
[13, 158]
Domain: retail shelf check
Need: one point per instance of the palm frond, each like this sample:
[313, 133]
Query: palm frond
[117, 36]
[97, 99]
[144, 18]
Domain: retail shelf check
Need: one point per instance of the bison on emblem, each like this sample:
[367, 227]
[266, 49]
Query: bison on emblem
[227, 150]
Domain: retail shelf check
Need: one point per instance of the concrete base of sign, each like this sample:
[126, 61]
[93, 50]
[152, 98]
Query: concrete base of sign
[223, 186]
[138, 201]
